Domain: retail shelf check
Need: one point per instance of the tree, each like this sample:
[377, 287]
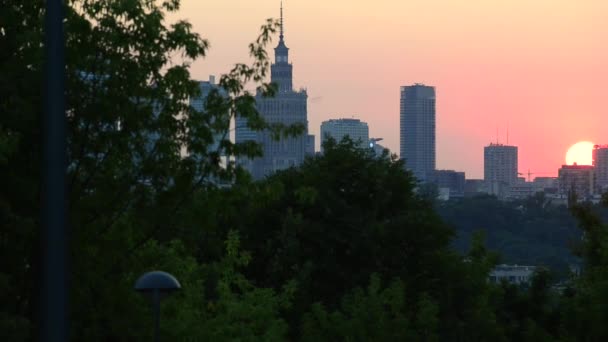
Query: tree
[342, 217]
[584, 311]
[371, 314]
[131, 185]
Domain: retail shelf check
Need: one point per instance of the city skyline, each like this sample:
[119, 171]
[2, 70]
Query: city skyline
[495, 65]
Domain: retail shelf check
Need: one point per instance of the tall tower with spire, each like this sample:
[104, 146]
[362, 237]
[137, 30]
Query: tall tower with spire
[287, 107]
[281, 71]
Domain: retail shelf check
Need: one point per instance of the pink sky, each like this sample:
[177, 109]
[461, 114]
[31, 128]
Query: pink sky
[535, 66]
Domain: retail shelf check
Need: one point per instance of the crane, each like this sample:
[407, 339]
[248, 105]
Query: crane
[529, 173]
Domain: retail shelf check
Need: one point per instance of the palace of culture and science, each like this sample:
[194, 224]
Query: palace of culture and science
[287, 107]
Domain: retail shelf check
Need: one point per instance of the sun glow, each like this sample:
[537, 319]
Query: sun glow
[580, 153]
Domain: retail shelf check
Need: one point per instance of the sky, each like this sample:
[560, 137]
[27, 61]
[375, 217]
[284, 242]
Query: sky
[533, 68]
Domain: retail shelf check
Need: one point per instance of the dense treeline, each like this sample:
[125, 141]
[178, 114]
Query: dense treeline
[340, 248]
[531, 231]
[527, 232]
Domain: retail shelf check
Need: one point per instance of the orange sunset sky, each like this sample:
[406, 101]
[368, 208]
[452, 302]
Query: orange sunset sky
[535, 66]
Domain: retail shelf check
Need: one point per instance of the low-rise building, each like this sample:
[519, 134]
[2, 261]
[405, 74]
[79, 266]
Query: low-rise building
[513, 274]
[451, 180]
[545, 184]
[522, 190]
[474, 187]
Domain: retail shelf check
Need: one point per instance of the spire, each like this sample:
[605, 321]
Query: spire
[281, 35]
[281, 52]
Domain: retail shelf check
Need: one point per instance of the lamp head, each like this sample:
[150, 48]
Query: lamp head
[164, 282]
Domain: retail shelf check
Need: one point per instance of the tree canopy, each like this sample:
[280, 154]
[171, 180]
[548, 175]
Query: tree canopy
[341, 247]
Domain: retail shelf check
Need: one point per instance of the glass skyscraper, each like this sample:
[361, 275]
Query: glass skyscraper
[417, 129]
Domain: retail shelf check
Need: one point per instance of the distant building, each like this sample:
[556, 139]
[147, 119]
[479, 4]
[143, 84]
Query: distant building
[310, 145]
[600, 162]
[199, 104]
[417, 129]
[546, 184]
[356, 130]
[513, 274]
[451, 180]
[521, 190]
[377, 148]
[578, 179]
[474, 187]
[500, 168]
[287, 107]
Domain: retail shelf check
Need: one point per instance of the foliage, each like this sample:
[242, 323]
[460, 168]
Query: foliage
[339, 248]
[137, 153]
[586, 308]
[373, 314]
[528, 232]
[342, 217]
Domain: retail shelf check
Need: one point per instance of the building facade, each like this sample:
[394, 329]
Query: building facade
[577, 179]
[500, 168]
[417, 129]
[449, 179]
[600, 162]
[474, 187]
[377, 148]
[512, 274]
[310, 145]
[338, 129]
[199, 104]
[287, 107]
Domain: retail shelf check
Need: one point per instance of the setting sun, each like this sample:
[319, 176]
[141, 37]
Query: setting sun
[580, 153]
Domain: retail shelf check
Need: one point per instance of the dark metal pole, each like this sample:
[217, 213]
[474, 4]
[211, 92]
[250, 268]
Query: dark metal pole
[156, 303]
[54, 237]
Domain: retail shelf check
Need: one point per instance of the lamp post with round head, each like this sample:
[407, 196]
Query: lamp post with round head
[156, 285]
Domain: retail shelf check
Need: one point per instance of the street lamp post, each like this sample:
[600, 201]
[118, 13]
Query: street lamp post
[54, 326]
[157, 285]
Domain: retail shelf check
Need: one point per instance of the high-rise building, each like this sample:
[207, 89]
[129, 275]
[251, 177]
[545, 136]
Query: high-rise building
[577, 179]
[287, 107]
[417, 129]
[356, 130]
[600, 162]
[499, 168]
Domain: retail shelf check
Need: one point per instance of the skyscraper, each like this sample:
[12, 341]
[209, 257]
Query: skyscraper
[356, 130]
[600, 162]
[417, 129]
[287, 107]
[499, 168]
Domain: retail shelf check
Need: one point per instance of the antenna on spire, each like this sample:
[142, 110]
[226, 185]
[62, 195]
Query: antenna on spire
[281, 35]
[507, 132]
